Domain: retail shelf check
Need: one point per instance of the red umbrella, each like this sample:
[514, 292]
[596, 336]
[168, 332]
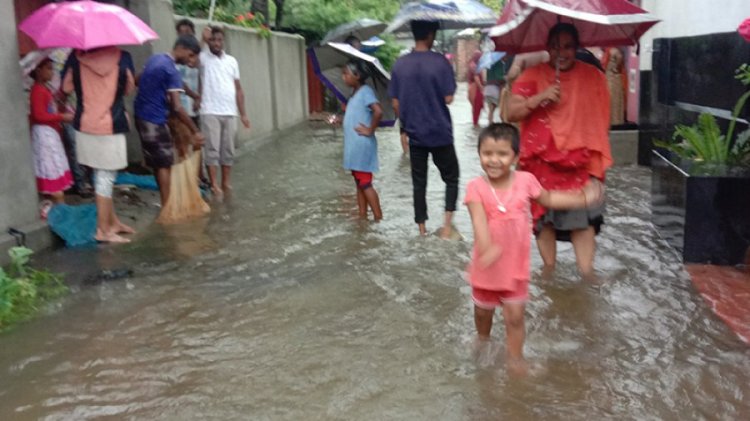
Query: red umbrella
[744, 29]
[524, 24]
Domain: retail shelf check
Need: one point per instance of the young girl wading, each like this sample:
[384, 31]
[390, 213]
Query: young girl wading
[499, 204]
[363, 113]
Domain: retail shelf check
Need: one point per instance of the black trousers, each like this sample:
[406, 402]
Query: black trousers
[445, 160]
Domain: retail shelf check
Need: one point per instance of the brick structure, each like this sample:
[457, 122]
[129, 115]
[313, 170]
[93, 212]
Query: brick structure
[465, 48]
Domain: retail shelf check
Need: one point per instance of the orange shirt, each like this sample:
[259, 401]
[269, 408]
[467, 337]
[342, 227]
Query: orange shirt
[581, 118]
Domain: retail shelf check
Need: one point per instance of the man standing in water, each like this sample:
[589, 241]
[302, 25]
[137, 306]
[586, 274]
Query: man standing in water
[221, 100]
[422, 85]
[159, 88]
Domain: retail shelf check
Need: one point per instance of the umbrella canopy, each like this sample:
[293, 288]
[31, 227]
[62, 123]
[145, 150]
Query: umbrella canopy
[361, 28]
[524, 24]
[744, 29]
[372, 45]
[489, 59]
[452, 14]
[85, 25]
[329, 59]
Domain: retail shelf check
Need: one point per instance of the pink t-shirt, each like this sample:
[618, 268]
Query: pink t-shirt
[510, 230]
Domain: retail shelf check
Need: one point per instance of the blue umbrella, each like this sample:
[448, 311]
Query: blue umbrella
[489, 59]
[452, 14]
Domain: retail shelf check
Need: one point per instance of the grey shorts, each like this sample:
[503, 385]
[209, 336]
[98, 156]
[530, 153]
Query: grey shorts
[570, 220]
[219, 131]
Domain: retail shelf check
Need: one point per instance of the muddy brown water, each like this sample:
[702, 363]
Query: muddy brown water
[281, 305]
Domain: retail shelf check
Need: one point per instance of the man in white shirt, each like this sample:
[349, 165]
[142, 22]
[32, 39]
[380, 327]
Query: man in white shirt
[222, 99]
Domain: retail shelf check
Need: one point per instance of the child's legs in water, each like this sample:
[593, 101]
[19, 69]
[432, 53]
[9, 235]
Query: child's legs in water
[361, 203]
[366, 195]
[515, 330]
[514, 304]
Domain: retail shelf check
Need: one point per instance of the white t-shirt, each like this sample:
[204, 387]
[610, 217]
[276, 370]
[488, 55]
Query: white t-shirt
[218, 75]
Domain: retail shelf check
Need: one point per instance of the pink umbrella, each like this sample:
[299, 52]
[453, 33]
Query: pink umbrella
[524, 24]
[744, 29]
[85, 25]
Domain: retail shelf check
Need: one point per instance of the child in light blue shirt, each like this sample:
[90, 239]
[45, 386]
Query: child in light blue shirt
[363, 113]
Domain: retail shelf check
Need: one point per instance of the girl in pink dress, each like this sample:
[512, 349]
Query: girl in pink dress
[499, 204]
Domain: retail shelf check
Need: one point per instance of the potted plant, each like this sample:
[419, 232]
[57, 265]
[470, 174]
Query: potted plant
[701, 188]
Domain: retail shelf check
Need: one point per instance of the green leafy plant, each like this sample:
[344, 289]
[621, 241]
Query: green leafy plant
[24, 289]
[704, 142]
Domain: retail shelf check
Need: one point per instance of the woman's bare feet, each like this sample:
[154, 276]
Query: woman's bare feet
[517, 367]
[110, 237]
[121, 228]
[446, 232]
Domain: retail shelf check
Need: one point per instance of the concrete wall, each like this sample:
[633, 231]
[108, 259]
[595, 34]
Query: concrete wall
[288, 67]
[18, 198]
[682, 19]
[253, 56]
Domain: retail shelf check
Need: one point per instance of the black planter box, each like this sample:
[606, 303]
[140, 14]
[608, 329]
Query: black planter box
[703, 213]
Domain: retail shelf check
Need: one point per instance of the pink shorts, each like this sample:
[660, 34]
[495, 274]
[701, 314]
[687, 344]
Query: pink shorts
[489, 300]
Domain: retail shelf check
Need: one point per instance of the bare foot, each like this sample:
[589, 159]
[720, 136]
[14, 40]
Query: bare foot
[110, 238]
[216, 190]
[548, 272]
[121, 228]
[226, 187]
[422, 229]
[591, 277]
[517, 367]
[446, 232]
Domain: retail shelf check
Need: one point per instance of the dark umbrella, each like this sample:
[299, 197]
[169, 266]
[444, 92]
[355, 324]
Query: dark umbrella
[328, 61]
[363, 29]
[524, 24]
[452, 14]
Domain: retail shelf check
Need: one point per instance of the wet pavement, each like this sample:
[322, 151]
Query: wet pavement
[282, 305]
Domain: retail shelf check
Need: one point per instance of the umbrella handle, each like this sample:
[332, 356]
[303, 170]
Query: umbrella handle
[211, 11]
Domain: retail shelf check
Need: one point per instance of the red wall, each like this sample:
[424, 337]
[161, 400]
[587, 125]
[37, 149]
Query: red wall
[23, 9]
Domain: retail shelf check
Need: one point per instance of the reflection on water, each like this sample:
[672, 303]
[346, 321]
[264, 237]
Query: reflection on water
[281, 305]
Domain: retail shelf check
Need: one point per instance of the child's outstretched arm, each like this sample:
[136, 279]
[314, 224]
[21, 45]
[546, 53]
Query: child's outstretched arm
[592, 194]
[377, 114]
[488, 252]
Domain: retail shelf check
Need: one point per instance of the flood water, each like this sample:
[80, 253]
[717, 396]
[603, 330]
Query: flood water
[281, 305]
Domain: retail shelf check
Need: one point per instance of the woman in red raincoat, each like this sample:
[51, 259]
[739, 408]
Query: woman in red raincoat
[564, 119]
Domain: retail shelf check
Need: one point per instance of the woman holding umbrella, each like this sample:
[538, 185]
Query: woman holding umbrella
[564, 108]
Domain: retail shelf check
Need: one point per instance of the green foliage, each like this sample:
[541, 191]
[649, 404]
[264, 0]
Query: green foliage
[235, 12]
[23, 289]
[388, 52]
[316, 17]
[496, 5]
[704, 141]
